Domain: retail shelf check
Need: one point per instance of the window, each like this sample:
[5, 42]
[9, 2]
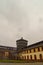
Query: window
[38, 49]
[42, 48]
[27, 57]
[31, 57]
[40, 56]
[6, 54]
[35, 57]
[27, 51]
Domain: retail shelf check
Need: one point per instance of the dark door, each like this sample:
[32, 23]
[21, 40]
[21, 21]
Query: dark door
[27, 57]
[31, 57]
[24, 57]
[35, 57]
[40, 56]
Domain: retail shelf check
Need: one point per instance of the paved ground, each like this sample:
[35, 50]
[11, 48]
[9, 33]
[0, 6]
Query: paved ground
[21, 63]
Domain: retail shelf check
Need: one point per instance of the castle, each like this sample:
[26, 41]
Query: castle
[23, 51]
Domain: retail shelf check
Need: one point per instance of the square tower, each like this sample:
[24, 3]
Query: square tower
[21, 43]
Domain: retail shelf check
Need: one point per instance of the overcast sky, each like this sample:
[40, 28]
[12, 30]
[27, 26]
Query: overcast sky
[21, 18]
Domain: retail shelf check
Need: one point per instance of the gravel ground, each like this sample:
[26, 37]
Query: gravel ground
[21, 63]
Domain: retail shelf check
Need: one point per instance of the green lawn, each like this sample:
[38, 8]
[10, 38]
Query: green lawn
[16, 61]
[12, 61]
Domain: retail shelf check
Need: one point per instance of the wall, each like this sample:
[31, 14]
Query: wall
[32, 52]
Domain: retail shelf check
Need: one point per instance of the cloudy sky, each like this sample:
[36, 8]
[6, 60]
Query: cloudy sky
[21, 18]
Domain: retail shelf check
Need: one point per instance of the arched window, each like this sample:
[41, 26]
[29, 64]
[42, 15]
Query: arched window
[31, 57]
[35, 57]
[27, 57]
[38, 49]
[40, 56]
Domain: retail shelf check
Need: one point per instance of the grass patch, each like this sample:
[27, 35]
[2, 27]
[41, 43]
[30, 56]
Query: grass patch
[18, 61]
[12, 61]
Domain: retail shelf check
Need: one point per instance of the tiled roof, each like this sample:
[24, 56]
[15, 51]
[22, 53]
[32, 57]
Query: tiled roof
[35, 45]
[7, 47]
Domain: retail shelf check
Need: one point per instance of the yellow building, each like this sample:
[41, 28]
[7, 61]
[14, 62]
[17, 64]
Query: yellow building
[32, 52]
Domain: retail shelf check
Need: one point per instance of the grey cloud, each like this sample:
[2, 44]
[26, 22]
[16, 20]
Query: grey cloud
[20, 18]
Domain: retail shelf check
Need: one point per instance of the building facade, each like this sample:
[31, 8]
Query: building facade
[7, 52]
[23, 51]
[32, 52]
